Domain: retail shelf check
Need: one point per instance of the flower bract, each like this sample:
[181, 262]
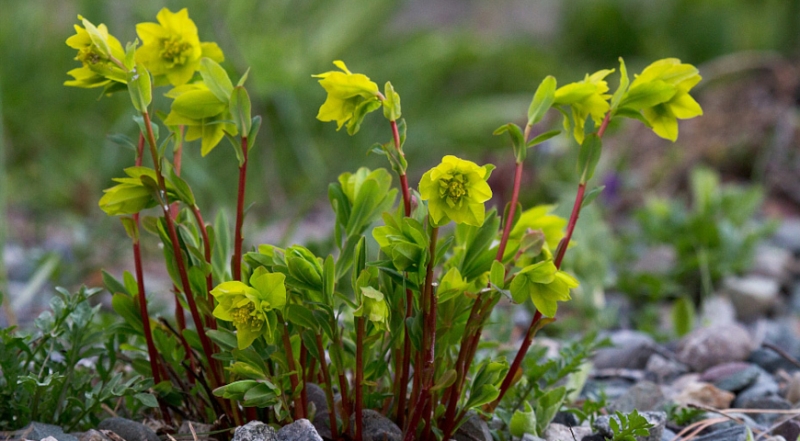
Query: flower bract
[203, 114]
[171, 48]
[456, 190]
[374, 308]
[96, 47]
[350, 97]
[251, 308]
[674, 80]
[585, 98]
[544, 284]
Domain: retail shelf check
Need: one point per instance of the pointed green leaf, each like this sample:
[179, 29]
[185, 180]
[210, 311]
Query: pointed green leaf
[240, 110]
[542, 100]
[216, 79]
[543, 137]
[589, 156]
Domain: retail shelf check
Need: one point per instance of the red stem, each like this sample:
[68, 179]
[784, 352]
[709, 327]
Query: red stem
[138, 268]
[326, 375]
[428, 344]
[501, 249]
[198, 216]
[293, 378]
[560, 251]
[236, 263]
[303, 356]
[173, 235]
[359, 380]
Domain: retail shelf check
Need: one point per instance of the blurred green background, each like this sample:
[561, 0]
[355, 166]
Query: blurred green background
[462, 67]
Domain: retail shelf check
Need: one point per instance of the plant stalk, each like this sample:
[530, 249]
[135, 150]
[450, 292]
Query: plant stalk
[560, 251]
[428, 344]
[236, 262]
[328, 385]
[359, 380]
[294, 377]
[173, 235]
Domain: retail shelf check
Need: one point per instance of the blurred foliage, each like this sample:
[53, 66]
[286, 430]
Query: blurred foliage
[464, 65]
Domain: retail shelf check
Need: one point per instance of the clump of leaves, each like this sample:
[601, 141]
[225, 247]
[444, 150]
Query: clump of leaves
[682, 415]
[714, 237]
[64, 371]
[628, 427]
[546, 386]
[589, 409]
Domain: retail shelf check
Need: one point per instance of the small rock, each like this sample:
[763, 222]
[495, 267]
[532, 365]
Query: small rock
[377, 427]
[631, 350]
[657, 419]
[764, 386]
[473, 429]
[529, 437]
[717, 311]
[664, 368]
[704, 394]
[770, 361]
[736, 433]
[565, 418]
[558, 432]
[300, 430]
[789, 430]
[739, 420]
[752, 296]
[643, 396]
[732, 377]
[128, 430]
[37, 431]
[322, 423]
[771, 261]
[707, 347]
[611, 388]
[255, 431]
[316, 395]
[788, 235]
[93, 435]
[668, 435]
[770, 402]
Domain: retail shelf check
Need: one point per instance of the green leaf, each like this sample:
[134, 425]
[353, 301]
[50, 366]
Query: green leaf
[542, 138]
[547, 406]
[391, 105]
[542, 100]
[589, 197]
[217, 80]
[125, 306]
[139, 87]
[624, 82]
[244, 77]
[497, 274]
[302, 316]
[255, 125]
[683, 316]
[589, 156]
[198, 104]
[182, 189]
[523, 422]
[97, 38]
[223, 337]
[131, 228]
[361, 111]
[446, 380]
[240, 110]
[517, 139]
[113, 285]
[146, 399]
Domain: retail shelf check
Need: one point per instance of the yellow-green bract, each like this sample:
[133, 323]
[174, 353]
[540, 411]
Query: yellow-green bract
[350, 97]
[251, 308]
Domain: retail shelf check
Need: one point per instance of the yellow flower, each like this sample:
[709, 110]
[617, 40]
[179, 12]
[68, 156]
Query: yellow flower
[456, 190]
[663, 116]
[585, 98]
[95, 48]
[171, 47]
[251, 308]
[350, 97]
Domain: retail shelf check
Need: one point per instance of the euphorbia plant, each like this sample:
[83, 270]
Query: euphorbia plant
[394, 327]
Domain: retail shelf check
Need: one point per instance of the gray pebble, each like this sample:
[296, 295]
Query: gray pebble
[128, 430]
